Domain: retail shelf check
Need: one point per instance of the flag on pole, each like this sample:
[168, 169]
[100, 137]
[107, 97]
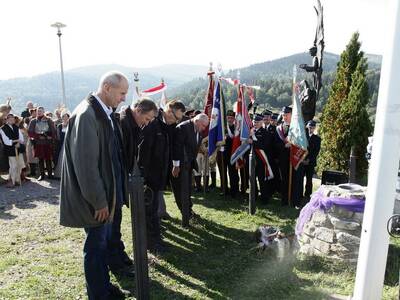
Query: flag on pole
[297, 134]
[154, 90]
[208, 105]
[216, 134]
[163, 100]
[242, 129]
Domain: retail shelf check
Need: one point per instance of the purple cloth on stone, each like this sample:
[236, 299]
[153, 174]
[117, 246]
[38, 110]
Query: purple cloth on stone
[319, 201]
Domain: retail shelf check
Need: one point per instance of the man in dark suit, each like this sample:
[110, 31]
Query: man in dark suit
[314, 145]
[262, 142]
[154, 161]
[187, 140]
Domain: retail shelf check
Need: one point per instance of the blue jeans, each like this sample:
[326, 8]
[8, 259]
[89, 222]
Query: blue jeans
[116, 247]
[95, 261]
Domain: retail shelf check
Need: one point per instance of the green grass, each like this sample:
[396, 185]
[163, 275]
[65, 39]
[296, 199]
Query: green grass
[214, 259]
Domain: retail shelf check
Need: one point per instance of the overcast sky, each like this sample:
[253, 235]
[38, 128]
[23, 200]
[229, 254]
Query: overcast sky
[145, 33]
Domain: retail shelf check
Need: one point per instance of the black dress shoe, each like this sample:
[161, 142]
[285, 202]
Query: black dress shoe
[118, 293]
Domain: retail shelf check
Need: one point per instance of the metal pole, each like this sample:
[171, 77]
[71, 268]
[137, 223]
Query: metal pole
[59, 25]
[384, 165]
[252, 179]
[62, 69]
[139, 238]
[353, 164]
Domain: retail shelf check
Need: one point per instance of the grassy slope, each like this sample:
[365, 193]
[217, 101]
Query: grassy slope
[213, 260]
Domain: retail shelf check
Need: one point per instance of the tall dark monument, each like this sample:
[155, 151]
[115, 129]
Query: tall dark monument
[310, 94]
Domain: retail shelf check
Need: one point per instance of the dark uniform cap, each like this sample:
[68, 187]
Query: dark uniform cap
[286, 109]
[267, 112]
[230, 113]
[258, 117]
[274, 116]
[311, 123]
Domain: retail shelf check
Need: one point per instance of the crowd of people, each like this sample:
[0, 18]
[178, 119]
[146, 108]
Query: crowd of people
[31, 143]
[94, 150]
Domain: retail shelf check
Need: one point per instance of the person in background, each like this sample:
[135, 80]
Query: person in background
[60, 132]
[12, 138]
[26, 113]
[42, 132]
[310, 162]
[22, 149]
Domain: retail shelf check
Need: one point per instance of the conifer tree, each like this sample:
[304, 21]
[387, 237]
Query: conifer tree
[341, 127]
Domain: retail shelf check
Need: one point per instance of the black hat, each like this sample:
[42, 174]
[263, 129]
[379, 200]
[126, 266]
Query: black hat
[230, 113]
[311, 123]
[267, 112]
[189, 111]
[197, 112]
[286, 109]
[274, 116]
[258, 117]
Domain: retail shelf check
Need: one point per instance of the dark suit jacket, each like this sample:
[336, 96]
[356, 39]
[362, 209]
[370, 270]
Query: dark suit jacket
[314, 145]
[186, 146]
[153, 155]
[131, 136]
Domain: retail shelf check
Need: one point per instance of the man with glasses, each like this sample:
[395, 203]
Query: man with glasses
[154, 157]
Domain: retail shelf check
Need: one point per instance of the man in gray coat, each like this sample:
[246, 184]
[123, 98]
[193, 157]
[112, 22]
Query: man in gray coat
[93, 182]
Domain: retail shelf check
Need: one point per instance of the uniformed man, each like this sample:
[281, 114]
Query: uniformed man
[262, 142]
[282, 148]
[314, 145]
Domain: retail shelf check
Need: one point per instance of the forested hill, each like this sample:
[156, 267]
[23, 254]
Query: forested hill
[275, 79]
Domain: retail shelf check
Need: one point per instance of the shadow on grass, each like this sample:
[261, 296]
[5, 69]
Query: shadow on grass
[23, 196]
[393, 265]
[221, 264]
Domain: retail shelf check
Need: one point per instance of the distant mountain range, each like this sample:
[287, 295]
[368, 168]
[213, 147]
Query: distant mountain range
[45, 89]
[187, 82]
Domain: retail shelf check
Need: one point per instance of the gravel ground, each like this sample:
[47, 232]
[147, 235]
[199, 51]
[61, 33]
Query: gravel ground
[46, 191]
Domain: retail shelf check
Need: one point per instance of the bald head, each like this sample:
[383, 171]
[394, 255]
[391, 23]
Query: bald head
[113, 87]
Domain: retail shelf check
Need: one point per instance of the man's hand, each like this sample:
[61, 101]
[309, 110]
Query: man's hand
[175, 171]
[287, 145]
[250, 141]
[102, 214]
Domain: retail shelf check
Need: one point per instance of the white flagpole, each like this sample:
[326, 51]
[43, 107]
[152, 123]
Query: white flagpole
[383, 170]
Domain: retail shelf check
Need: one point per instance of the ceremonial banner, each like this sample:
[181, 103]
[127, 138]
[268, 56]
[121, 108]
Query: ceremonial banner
[209, 98]
[216, 134]
[297, 134]
[242, 128]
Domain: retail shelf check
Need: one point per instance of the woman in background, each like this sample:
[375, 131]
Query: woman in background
[61, 130]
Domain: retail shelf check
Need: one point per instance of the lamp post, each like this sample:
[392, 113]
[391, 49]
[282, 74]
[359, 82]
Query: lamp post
[59, 25]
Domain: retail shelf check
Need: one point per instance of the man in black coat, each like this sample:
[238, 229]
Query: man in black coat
[187, 140]
[132, 120]
[314, 146]
[154, 160]
[262, 141]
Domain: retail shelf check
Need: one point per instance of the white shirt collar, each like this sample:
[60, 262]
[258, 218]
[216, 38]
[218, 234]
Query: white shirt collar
[106, 109]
